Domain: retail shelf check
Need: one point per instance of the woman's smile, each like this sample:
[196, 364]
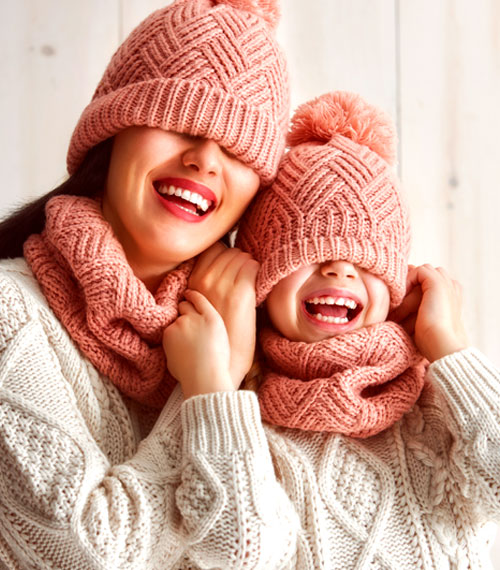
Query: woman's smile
[170, 196]
[186, 199]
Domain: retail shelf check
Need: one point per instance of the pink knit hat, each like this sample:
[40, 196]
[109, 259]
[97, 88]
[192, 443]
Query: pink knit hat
[335, 197]
[209, 68]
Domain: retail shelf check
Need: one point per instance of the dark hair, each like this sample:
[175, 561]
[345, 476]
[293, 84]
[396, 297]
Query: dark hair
[89, 180]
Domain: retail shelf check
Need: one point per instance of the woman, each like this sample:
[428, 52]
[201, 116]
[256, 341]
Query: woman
[187, 122]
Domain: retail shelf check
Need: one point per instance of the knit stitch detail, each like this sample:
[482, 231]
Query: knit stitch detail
[26, 475]
[204, 70]
[203, 415]
[117, 323]
[357, 384]
[332, 200]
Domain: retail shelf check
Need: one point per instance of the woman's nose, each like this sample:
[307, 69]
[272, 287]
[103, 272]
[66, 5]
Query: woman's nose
[340, 269]
[204, 156]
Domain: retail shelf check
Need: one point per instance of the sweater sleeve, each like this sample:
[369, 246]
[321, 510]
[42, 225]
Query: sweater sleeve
[178, 499]
[470, 385]
[234, 511]
[72, 495]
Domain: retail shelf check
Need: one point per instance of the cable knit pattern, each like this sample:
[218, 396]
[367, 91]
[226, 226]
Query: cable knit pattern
[335, 197]
[82, 487]
[206, 68]
[107, 310]
[357, 384]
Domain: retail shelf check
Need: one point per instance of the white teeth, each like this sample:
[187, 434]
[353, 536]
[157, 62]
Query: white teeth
[331, 320]
[189, 196]
[185, 209]
[340, 301]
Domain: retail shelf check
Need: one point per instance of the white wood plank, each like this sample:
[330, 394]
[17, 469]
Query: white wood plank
[341, 44]
[449, 85]
[53, 56]
[134, 11]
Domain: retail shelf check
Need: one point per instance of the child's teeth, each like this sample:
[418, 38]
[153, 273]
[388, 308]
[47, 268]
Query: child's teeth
[340, 301]
[331, 320]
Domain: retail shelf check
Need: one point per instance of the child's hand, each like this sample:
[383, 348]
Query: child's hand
[197, 347]
[431, 312]
[226, 277]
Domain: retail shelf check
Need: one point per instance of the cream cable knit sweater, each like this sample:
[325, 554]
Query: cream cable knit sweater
[209, 487]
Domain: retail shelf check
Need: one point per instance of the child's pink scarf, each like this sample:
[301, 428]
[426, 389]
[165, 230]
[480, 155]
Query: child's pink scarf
[116, 322]
[356, 384]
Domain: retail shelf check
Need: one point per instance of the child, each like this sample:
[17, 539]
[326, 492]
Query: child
[386, 461]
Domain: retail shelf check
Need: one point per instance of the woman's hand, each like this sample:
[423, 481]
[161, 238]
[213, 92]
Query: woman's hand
[226, 277]
[197, 347]
[431, 312]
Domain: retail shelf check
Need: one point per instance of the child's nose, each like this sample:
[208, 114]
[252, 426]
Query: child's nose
[204, 156]
[340, 269]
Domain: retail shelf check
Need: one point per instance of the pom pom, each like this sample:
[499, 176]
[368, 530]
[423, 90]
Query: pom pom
[265, 9]
[348, 115]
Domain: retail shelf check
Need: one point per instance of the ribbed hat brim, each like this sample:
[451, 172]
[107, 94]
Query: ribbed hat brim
[382, 259]
[184, 107]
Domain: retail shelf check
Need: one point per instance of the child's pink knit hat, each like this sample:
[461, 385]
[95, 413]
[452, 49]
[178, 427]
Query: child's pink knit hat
[335, 197]
[209, 68]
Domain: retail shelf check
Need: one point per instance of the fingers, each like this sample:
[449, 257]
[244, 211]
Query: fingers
[409, 324]
[205, 259]
[224, 270]
[195, 304]
[408, 306]
[248, 271]
[198, 302]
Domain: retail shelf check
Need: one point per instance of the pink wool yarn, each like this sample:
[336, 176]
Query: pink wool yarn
[209, 68]
[335, 197]
[115, 321]
[357, 384]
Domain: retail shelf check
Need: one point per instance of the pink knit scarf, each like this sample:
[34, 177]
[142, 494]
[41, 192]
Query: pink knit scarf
[110, 314]
[357, 384]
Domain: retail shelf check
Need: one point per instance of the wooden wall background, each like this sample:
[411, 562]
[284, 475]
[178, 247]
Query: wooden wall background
[434, 65]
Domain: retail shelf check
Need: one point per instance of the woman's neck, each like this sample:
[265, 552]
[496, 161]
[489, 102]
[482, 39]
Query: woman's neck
[149, 273]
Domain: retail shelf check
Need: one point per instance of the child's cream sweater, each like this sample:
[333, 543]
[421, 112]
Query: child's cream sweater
[82, 486]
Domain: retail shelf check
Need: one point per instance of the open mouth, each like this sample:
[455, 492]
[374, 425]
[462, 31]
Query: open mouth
[195, 200]
[333, 310]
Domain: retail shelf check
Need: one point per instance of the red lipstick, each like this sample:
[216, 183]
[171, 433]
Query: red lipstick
[184, 209]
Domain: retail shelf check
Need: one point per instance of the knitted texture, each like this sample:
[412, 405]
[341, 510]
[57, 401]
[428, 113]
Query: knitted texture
[116, 322]
[357, 384]
[211, 487]
[208, 68]
[335, 197]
